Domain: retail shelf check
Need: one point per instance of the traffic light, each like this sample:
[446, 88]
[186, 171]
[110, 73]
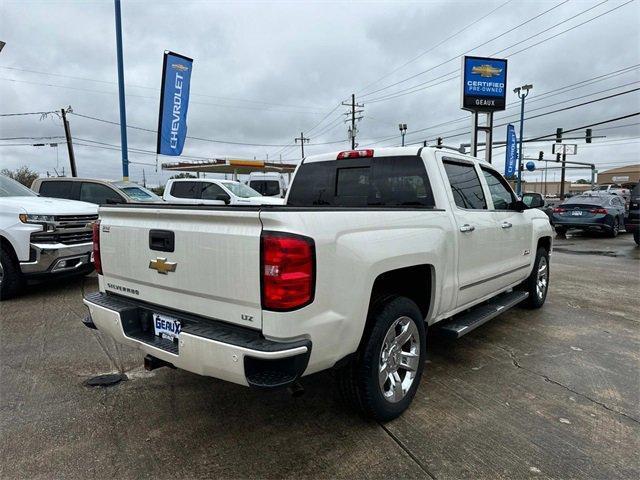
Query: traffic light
[540, 155]
[558, 135]
[588, 135]
[439, 141]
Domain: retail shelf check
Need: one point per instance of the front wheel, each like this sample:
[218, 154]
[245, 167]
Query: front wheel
[10, 276]
[383, 377]
[537, 284]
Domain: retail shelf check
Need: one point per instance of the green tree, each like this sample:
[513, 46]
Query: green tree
[582, 181]
[184, 175]
[24, 175]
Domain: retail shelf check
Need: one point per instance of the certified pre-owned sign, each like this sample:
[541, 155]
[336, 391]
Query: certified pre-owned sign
[484, 84]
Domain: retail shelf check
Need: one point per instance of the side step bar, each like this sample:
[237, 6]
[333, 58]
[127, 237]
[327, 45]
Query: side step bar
[469, 320]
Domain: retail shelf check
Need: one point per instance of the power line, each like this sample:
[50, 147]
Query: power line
[435, 46]
[468, 51]
[27, 113]
[85, 79]
[31, 138]
[104, 92]
[424, 85]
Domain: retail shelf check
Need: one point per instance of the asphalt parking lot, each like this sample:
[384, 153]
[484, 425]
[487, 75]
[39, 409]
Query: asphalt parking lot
[553, 393]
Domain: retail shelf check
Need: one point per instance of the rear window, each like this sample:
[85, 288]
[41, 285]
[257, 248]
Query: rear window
[362, 182]
[56, 189]
[587, 200]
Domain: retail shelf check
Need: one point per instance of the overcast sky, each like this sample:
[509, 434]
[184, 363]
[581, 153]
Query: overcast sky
[265, 71]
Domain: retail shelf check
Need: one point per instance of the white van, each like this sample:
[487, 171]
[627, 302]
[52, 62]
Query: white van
[269, 184]
[207, 191]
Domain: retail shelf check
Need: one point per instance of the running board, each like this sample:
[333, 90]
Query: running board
[469, 320]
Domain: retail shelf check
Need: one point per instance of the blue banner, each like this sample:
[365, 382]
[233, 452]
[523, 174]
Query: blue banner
[484, 83]
[174, 101]
[511, 157]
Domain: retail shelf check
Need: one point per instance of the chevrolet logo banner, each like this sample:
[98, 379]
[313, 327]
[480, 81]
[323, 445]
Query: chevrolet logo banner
[174, 101]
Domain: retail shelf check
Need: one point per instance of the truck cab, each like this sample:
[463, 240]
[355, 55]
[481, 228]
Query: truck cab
[269, 184]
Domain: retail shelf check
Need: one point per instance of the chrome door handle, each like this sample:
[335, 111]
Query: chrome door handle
[467, 228]
[506, 225]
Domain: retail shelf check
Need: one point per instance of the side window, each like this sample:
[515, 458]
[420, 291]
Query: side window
[465, 185]
[210, 191]
[98, 193]
[186, 189]
[56, 189]
[502, 196]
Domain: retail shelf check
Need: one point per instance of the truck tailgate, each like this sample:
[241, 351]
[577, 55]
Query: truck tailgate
[216, 256]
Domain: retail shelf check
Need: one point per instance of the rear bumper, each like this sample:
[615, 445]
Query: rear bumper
[206, 347]
[54, 258]
[600, 225]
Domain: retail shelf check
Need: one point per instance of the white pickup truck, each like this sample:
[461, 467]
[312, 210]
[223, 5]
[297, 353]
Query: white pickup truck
[371, 249]
[211, 191]
[41, 237]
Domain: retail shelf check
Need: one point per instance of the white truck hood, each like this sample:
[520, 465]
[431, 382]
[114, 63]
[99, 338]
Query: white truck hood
[48, 206]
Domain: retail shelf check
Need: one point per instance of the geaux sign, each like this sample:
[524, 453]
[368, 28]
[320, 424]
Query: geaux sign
[174, 100]
[484, 84]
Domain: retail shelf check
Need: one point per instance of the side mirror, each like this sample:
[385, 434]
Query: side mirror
[224, 198]
[520, 206]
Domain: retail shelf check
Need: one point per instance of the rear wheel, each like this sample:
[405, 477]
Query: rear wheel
[537, 284]
[615, 228]
[10, 276]
[382, 379]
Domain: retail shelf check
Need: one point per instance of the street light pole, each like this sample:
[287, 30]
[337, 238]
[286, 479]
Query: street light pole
[123, 109]
[522, 93]
[403, 131]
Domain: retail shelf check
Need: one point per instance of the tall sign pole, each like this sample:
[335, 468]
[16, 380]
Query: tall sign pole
[123, 108]
[484, 88]
[67, 133]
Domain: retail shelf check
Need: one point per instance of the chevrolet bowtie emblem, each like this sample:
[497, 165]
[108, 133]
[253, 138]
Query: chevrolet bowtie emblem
[162, 266]
[486, 71]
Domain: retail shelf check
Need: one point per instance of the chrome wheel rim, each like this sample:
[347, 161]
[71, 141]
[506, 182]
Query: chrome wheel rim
[542, 281]
[399, 359]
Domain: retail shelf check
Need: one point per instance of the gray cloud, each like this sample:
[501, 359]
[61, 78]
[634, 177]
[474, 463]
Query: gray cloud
[305, 57]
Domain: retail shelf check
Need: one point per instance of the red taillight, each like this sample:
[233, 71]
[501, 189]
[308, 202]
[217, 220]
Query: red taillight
[97, 263]
[598, 210]
[288, 271]
[356, 153]
[558, 210]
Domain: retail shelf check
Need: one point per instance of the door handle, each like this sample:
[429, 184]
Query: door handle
[506, 225]
[467, 228]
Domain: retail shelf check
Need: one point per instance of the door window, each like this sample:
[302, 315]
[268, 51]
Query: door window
[186, 189]
[211, 191]
[465, 185]
[502, 196]
[56, 189]
[98, 193]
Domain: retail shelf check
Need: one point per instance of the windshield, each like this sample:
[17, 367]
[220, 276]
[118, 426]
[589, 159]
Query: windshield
[11, 188]
[241, 190]
[138, 193]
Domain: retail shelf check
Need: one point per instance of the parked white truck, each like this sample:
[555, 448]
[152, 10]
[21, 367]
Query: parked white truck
[41, 237]
[212, 191]
[370, 250]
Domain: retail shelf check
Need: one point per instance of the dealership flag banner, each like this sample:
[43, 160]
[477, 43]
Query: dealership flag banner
[174, 101]
[512, 152]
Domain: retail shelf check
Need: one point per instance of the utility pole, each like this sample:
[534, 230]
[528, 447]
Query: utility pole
[123, 109]
[144, 179]
[303, 140]
[403, 131]
[67, 133]
[352, 117]
[522, 93]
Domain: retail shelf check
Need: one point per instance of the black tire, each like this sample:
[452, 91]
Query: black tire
[614, 229]
[358, 381]
[530, 285]
[636, 237]
[10, 276]
[561, 231]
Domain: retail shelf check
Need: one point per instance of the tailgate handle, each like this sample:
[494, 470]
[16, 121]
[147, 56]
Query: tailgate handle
[161, 240]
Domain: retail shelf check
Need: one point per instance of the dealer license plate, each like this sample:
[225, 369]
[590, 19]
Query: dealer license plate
[165, 326]
[577, 213]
